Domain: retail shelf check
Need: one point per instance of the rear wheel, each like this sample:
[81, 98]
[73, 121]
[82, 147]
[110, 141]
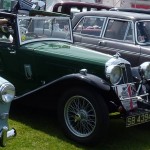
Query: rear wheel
[83, 115]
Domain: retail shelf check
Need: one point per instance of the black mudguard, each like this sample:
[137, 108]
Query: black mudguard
[99, 84]
[54, 89]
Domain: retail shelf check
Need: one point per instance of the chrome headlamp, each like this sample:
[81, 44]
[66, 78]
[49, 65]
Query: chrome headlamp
[114, 73]
[7, 91]
[145, 69]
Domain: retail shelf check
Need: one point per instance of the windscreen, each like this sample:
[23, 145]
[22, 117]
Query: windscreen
[44, 28]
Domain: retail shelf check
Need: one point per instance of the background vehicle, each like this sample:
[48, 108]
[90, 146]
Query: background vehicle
[110, 32]
[134, 10]
[83, 86]
[71, 7]
[7, 94]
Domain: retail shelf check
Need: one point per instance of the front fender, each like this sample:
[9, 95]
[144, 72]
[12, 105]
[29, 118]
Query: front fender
[56, 88]
[88, 79]
[71, 80]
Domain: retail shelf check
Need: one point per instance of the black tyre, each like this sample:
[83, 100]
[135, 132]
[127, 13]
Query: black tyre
[83, 115]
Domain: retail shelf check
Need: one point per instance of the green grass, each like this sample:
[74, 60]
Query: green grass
[39, 130]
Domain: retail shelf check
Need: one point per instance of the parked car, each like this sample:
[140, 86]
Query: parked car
[7, 93]
[134, 10]
[72, 7]
[113, 31]
[83, 86]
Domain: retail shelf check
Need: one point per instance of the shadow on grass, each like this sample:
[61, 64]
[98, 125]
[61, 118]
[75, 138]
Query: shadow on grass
[119, 137]
[39, 119]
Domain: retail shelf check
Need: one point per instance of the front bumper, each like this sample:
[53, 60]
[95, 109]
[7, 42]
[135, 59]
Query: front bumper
[6, 134]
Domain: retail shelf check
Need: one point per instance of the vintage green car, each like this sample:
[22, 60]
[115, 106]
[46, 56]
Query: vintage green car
[38, 56]
[7, 93]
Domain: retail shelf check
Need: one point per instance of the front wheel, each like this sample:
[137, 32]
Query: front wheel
[83, 115]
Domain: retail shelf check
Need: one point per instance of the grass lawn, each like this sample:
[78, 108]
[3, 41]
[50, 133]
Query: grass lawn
[39, 130]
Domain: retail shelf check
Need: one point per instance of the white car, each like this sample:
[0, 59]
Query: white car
[7, 93]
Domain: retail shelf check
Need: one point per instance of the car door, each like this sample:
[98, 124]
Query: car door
[16, 61]
[88, 31]
[7, 51]
[118, 36]
[7, 57]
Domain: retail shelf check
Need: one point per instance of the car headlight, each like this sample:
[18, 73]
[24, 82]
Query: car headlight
[145, 69]
[114, 73]
[7, 91]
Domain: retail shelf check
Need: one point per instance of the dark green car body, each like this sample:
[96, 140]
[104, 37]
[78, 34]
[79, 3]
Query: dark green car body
[51, 60]
[47, 61]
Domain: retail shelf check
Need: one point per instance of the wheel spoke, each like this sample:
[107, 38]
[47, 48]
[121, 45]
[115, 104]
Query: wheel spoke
[80, 116]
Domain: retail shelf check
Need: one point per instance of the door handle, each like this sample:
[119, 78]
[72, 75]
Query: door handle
[101, 42]
[11, 50]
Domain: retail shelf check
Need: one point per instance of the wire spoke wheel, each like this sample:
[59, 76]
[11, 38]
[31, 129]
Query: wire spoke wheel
[80, 116]
[83, 115]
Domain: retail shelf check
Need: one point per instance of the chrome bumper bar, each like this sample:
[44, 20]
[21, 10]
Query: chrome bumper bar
[6, 134]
